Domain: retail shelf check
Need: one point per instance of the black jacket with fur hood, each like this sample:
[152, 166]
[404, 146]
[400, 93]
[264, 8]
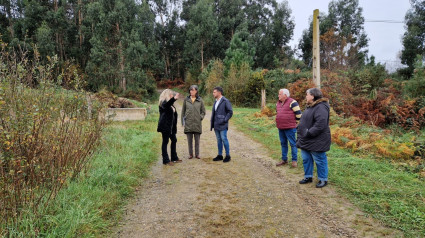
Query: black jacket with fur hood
[313, 132]
[167, 122]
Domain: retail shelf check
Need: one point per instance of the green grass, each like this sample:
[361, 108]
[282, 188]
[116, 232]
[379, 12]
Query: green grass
[92, 204]
[383, 191]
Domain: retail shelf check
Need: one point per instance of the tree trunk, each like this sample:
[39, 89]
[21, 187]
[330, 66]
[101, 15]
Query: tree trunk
[123, 82]
[9, 15]
[80, 20]
[58, 34]
[166, 62]
[202, 56]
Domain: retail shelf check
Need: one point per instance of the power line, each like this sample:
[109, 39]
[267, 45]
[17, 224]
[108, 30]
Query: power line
[384, 21]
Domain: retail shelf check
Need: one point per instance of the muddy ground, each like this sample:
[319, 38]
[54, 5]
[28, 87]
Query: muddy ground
[247, 197]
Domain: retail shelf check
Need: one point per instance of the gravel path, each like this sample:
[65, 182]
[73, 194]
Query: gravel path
[247, 197]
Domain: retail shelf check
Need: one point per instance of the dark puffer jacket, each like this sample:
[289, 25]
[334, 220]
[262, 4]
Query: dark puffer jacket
[220, 117]
[193, 114]
[313, 132]
[167, 117]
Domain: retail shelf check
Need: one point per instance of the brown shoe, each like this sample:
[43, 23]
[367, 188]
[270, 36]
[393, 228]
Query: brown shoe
[294, 164]
[190, 157]
[198, 157]
[178, 161]
[283, 162]
[169, 164]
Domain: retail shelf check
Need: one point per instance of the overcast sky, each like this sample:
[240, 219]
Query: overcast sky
[384, 38]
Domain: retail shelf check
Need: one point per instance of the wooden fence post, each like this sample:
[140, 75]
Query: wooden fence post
[316, 48]
[263, 98]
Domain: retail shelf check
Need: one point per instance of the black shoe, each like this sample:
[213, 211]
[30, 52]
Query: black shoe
[226, 159]
[306, 180]
[176, 160]
[321, 184]
[218, 158]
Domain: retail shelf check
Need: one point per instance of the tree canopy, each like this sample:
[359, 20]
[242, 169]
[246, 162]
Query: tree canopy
[343, 39]
[125, 44]
[414, 38]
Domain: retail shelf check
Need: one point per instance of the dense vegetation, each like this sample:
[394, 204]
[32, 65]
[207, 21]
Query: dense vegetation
[125, 45]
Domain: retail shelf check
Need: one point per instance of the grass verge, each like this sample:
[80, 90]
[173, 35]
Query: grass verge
[93, 203]
[383, 191]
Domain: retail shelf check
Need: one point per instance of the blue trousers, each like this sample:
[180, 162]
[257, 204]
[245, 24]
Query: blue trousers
[222, 140]
[286, 135]
[309, 157]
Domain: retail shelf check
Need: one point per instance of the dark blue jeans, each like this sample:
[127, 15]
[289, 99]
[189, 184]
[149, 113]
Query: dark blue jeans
[288, 135]
[309, 157]
[222, 140]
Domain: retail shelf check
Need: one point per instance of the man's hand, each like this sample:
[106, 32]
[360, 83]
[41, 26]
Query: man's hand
[176, 96]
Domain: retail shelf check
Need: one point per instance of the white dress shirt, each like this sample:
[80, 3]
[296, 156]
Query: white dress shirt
[217, 102]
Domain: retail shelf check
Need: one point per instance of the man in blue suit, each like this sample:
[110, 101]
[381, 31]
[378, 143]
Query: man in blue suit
[221, 114]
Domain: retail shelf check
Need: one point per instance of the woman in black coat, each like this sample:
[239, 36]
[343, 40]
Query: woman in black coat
[167, 125]
[314, 137]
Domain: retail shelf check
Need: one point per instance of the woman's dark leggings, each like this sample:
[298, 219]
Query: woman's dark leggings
[165, 138]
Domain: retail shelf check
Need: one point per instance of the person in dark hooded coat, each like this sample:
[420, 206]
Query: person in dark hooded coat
[314, 137]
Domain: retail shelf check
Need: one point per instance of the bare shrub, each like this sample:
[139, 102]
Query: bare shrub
[47, 134]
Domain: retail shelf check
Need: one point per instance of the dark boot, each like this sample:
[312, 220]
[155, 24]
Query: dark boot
[321, 184]
[165, 159]
[226, 159]
[306, 180]
[218, 158]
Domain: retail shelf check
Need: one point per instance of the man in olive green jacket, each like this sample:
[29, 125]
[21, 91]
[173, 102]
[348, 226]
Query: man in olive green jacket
[193, 112]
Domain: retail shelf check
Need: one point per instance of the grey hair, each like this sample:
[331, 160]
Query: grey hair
[194, 87]
[285, 91]
[315, 92]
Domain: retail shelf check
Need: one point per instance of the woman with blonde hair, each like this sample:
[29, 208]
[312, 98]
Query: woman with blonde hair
[193, 112]
[167, 125]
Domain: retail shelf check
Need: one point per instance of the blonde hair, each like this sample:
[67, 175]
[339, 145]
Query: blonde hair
[165, 96]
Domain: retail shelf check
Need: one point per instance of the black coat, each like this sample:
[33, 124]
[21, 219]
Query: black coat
[220, 117]
[167, 117]
[313, 132]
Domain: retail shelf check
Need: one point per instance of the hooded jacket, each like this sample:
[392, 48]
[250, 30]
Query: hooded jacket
[313, 132]
[192, 115]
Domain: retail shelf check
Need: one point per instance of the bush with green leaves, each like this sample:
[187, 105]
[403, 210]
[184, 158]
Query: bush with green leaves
[280, 78]
[235, 84]
[415, 87]
[367, 80]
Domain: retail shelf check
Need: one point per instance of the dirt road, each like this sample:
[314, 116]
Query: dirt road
[247, 197]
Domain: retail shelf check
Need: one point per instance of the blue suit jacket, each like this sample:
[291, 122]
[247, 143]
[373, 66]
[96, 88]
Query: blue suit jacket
[220, 117]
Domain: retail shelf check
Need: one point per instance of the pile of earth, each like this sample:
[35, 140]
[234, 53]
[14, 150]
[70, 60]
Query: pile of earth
[112, 100]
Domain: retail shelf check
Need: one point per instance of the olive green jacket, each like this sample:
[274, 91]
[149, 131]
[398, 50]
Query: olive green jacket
[192, 115]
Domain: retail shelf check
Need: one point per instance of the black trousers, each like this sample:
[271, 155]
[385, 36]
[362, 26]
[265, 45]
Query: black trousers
[165, 138]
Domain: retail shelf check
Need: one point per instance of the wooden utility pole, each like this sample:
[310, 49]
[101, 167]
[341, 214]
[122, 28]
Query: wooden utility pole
[316, 48]
[263, 99]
